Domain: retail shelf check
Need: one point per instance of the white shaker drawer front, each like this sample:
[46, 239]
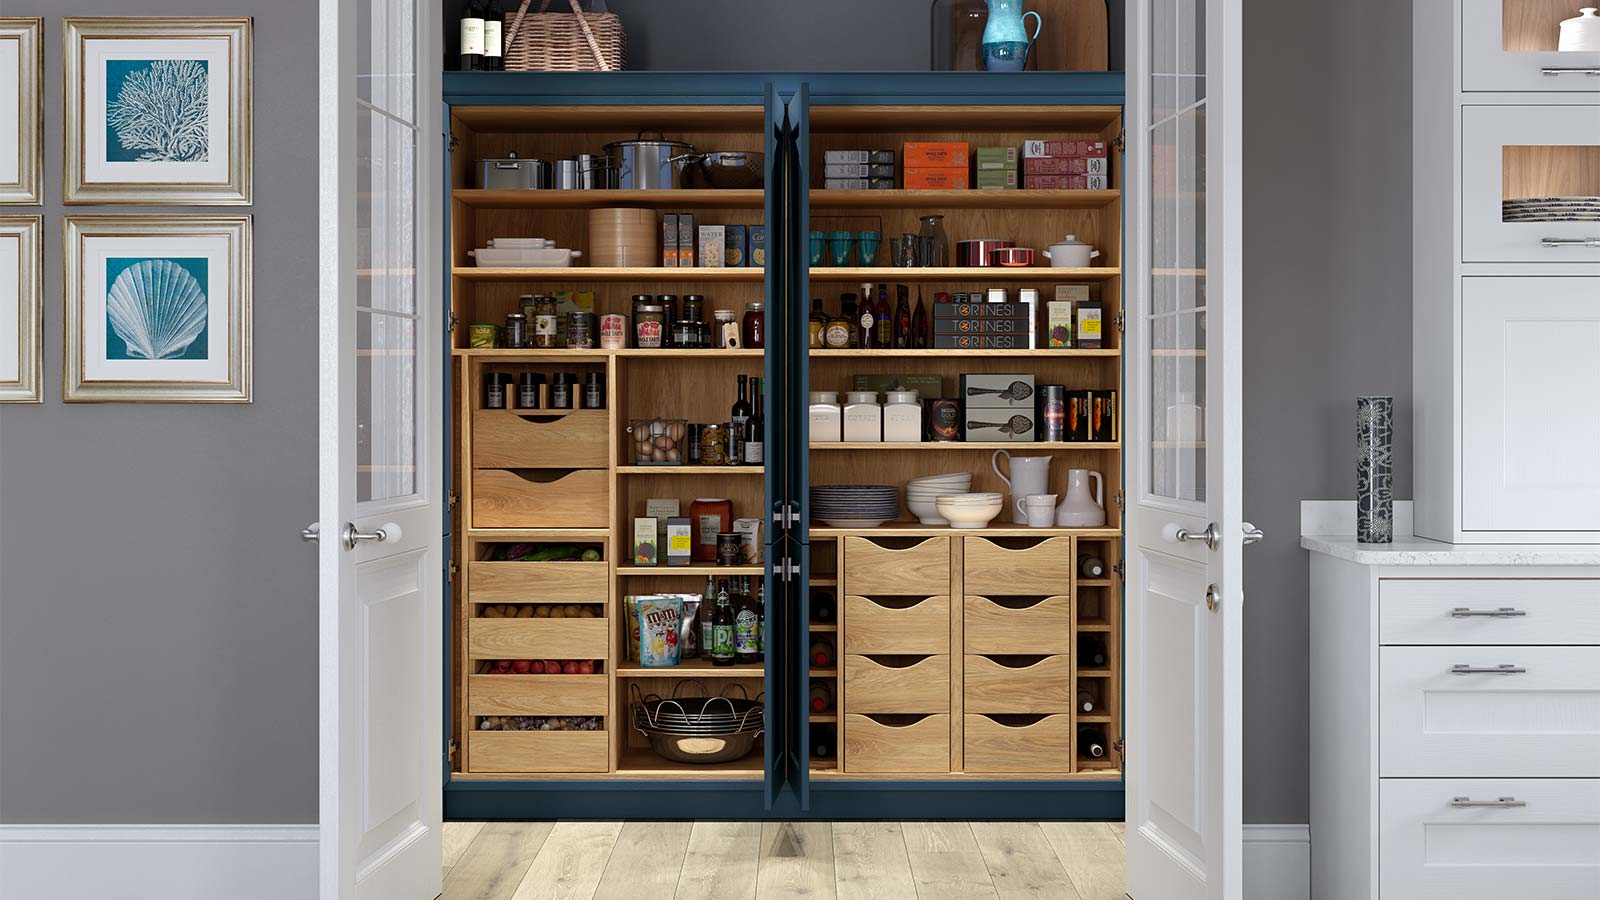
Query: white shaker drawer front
[1490, 711]
[1512, 45]
[1489, 611]
[1527, 153]
[1489, 839]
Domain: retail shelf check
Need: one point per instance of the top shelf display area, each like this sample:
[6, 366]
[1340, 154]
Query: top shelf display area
[753, 199]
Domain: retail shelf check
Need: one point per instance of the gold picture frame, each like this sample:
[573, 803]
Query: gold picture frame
[115, 70]
[131, 334]
[22, 285]
[22, 183]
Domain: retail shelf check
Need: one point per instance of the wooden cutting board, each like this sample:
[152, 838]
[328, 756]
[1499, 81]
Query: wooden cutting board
[1075, 36]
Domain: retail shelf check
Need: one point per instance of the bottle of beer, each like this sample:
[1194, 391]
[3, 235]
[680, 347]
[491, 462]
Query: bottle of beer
[708, 606]
[722, 627]
[746, 626]
[761, 619]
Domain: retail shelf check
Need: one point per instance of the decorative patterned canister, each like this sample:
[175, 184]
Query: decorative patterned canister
[1375, 470]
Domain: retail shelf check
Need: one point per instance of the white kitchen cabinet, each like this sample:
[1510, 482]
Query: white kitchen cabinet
[1510, 45]
[1512, 153]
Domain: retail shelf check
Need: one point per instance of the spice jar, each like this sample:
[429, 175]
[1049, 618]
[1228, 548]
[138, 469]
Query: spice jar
[516, 330]
[561, 388]
[714, 445]
[720, 331]
[580, 331]
[649, 326]
[863, 417]
[544, 322]
[709, 517]
[755, 325]
[495, 386]
[694, 307]
[594, 390]
[528, 384]
[902, 418]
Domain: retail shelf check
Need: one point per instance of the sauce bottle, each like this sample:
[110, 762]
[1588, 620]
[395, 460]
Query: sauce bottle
[819, 323]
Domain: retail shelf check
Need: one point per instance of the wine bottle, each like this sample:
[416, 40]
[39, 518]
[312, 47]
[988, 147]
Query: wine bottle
[822, 607]
[1090, 566]
[867, 322]
[885, 317]
[818, 324]
[919, 325]
[472, 23]
[1085, 700]
[739, 415]
[755, 433]
[493, 47]
[722, 628]
[1092, 652]
[746, 626]
[821, 742]
[1091, 742]
[821, 653]
[902, 317]
[821, 697]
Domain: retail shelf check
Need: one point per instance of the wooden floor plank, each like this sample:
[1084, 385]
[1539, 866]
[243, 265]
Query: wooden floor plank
[721, 862]
[495, 861]
[945, 862]
[570, 863]
[796, 861]
[645, 861]
[1120, 829]
[870, 863]
[1092, 856]
[457, 836]
[1021, 862]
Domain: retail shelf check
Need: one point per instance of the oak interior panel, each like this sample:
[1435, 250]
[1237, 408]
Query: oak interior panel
[1534, 25]
[1550, 171]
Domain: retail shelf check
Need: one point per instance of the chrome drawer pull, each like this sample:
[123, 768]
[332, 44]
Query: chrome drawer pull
[1502, 669]
[1570, 242]
[1502, 803]
[1591, 71]
[1504, 612]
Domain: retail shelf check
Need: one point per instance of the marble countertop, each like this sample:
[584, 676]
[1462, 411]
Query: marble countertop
[1415, 551]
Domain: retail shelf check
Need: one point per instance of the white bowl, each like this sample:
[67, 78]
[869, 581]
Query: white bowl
[927, 512]
[967, 515]
[980, 499]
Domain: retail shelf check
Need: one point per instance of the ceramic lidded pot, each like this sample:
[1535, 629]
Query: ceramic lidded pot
[1581, 32]
[1070, 253]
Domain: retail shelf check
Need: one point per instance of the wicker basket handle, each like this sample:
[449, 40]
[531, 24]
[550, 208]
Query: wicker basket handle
[583, 23]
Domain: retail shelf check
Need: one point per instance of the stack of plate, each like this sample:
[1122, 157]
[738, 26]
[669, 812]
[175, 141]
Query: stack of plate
[922, 493]
[855, 505]
[1551, 209]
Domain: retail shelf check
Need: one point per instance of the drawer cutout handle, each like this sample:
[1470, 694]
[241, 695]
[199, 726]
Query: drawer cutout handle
[1018, 720]
[1017, 660]
[1552, 71]
[541, 418]
[543, 476]
[897, 660]
[1019, 602]
[1017, 544]
[1501, 803]
[1502, 669]
[1504, 612]
[899, 603]
[893, 544]
[897, 720]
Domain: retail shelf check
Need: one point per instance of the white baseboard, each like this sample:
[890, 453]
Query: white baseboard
[158, 862]
[1277, 862]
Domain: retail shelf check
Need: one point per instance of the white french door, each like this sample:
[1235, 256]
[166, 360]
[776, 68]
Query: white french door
[1185, 525]
[379, 525]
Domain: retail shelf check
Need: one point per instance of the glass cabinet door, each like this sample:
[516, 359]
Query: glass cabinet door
[1512, 45]
[1530, 184]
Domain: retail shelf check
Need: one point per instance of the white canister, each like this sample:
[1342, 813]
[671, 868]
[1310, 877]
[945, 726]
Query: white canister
[1581, 32]
[827, 418]
[902, 418]
[863, 417]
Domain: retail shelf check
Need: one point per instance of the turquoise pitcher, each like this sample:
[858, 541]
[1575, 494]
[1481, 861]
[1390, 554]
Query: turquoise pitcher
[1006, 41]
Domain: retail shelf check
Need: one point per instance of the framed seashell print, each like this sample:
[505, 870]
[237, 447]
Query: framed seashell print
[157, 111]
[21, 306]
[157, 309]
[21, 110]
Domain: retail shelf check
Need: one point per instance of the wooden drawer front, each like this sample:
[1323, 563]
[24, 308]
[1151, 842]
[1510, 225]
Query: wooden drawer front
[1554, 611]
[502, 439]
[1028, 685]
[537, 695]
[1431, 850]
[1043, 626]
[1045, 568]
[888, 627]
[538, 751]
[922, 570]
[538, 639]
[871, 745]
[541, 499]
[871, 686]
[532, 582]
[1544, 722]
[1041, 746]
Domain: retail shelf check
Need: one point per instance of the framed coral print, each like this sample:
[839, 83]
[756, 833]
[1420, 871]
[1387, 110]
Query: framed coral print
[157, 111]
[21, 110]
[157, 309]
[21, 302]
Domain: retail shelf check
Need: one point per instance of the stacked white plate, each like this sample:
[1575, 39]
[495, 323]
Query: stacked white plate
[970, 510]
[1551, 209]
[505, 252]
[922, 493]
[855, 505]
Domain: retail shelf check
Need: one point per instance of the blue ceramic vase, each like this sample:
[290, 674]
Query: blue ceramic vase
[1375, 470]
[1006, 41]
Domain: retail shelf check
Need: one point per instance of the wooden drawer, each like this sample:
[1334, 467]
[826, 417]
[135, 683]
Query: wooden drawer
[541, 498]
[901, 625]
[505, 439]
[1044, 568]
[875, 745]
[921, 570]
[538, 639]
[1018, 625]
[1554, 611]
[874, 686]
[1043, 745]
[1544, 722]
[536, 582]
[538, 751]
[1012, 685]
[1431, 850]
[537, 695]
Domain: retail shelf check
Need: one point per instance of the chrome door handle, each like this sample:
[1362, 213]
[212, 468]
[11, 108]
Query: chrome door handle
[311, 533]
[1503, 669]
[1591, 71]
[1252, 534]
[1177, 534]
[351, 537]
[1570, 242]
[1504, 612]
[1501, 803]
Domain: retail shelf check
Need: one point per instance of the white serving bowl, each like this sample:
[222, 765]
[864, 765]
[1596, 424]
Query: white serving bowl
[927, 512]
[967, 515]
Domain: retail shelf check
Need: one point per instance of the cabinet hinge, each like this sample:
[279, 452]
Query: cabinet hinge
[450, 571]
[1119, 499]
[453, 143]
[1117, 745]
[452, 321]
[1117, 567]
[1122, 140]
[451, 501]
[450, 749]
[1122, 323]
[784, 515]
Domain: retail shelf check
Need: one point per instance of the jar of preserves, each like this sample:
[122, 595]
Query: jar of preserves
[755, 325]
[649, 326]
[694, 307]
[544, 322]
[580, 331]
[685, 334]
[516, 330]
[714, 445]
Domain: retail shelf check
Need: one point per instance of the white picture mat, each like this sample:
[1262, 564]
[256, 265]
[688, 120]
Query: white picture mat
[97, 169]
[10, 110]
[97, 250]
[10, 307]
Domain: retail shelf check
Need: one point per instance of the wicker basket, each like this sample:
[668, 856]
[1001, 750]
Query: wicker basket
[563, 42]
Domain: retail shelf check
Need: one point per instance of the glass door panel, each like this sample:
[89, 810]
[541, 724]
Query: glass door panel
[1530, 187]
[1513, 45]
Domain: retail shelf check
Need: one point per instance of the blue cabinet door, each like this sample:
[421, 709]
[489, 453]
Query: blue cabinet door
[796, 316]
[776, 740]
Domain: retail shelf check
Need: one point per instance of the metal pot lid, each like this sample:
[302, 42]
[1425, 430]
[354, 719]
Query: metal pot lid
[640, 141]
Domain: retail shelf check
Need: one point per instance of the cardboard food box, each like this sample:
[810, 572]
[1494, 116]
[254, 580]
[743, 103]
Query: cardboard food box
[977, 309]
[687, 235]
[1092, 415]
[928, 387]
[1058, 324]
[680, 541]
[645, 541]
[1066, 182]
[858, 184]
[994, 180]
[713, 244]
[989, 325]
[1064, 148]
[980, 342]
[669, 240]
[945, 154]
[991, 158]
[1090, 330]
[662, 509]
[858, 170]
[735, 252]
[1066, 165]
[758, 245]
[994, 423]
[994, 391]
[925, 178]
[860, 157]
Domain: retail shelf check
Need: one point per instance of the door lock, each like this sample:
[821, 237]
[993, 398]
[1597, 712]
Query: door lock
[1213, 597]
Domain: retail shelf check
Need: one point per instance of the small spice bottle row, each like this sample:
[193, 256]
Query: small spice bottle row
[532, 390]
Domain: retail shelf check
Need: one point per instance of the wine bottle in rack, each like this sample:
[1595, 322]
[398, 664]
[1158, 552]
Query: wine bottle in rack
[822, 607]
[1091, 566]
[1092, 652]
[821, 697]
[1085, 700]
[1091, 742]
[821, 742]
[821, 653]
[472, 23]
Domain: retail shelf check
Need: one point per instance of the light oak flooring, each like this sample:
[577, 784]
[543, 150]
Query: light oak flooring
[770, 860]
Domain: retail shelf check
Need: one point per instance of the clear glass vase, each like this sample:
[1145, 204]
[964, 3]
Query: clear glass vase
[933, 245]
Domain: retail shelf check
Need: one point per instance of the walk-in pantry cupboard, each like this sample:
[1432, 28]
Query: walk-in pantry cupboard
[950, 680]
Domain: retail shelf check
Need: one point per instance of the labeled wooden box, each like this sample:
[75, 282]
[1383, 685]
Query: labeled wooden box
[1008, 744]
[922, 569]
[1017, 685]
[532, 439]
[898, 626]
[891, 685]
[1043, 568]
[897, 743]
[1018, 624]
[540, 498]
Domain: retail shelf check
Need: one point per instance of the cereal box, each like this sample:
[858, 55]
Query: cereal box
[646, 541]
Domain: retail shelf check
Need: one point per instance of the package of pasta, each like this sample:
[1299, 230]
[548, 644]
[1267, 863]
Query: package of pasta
[660, 621]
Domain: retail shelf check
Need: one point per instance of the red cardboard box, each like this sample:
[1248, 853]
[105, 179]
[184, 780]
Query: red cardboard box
[936, 179]
[1065, 165]
[1064, 148]
[935, 154]
[1066, 182]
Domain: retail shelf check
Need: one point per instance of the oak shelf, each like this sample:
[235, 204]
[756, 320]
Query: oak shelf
[478, 198]
[954, 273]
[917, 529]
[698, 667]
[607, 273]
[1036, 353]
[701, 570]
[901, 198]
[966, 445]
[690, 470]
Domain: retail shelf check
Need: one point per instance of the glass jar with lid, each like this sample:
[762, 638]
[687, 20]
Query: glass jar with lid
[545, 331]
[755, 325]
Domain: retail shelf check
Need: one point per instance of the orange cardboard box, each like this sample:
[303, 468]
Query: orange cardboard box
[936, 179]
[936, 154]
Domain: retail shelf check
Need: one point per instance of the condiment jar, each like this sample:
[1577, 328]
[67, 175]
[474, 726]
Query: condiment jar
[669, 309]
[863, 417]
[719, 331]
[714, 445]
[649, 326]
[516, 330]
[495, 387]
[827, 418]
[561, 390]
[902, 418]
[694, 307]
[685, 334]
[544, 322]
[755, 325]
[528, 384]
[837, 334]
[594, 390]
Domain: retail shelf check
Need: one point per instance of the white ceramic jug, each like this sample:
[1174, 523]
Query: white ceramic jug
[1080, 509]
[1029, 475]
[1581, 33]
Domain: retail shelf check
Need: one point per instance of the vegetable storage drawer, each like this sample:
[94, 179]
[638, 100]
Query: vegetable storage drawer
[548, 582]
[1489, 611]
[1044, 567]
[1018, 743]
[541, 498]
[530, 439]
[537, 695]
[887, 684]
[561, 639]
[897, 625]
[1489, 839]
[1018, 624]
[897, 743]
[1491, 711]
[922, 569]
[1029, 684]
[538, 751]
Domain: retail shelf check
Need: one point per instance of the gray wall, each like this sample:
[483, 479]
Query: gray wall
[158, 629]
